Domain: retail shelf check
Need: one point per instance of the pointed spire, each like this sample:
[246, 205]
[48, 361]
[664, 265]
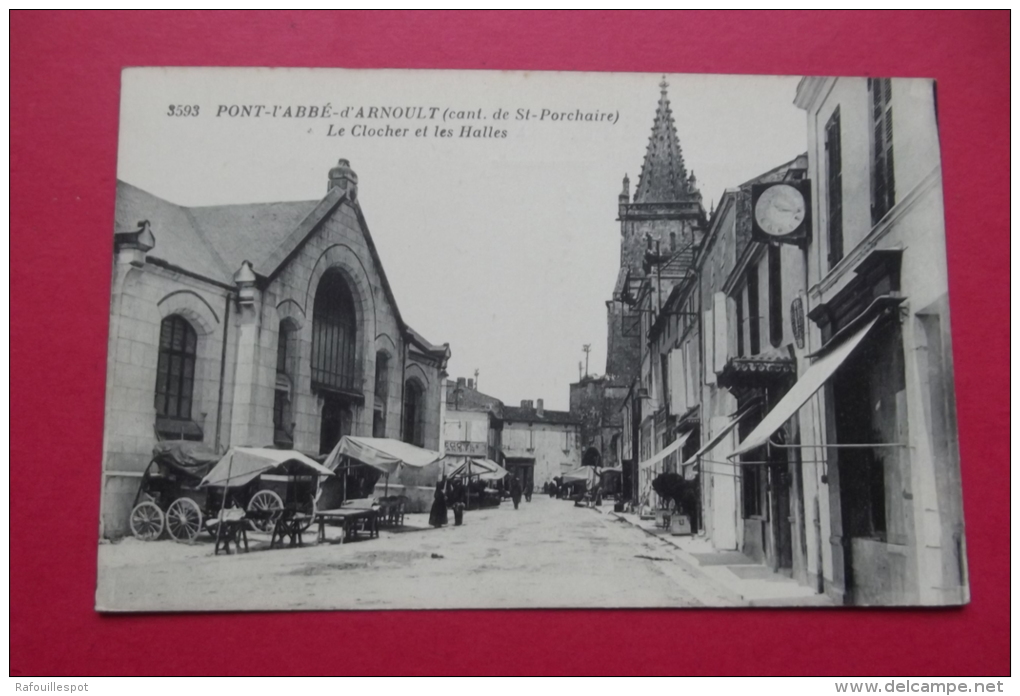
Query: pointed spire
[663, 175]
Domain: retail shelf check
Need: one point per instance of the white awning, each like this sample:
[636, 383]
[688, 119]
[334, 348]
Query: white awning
[719, 435]
[581, 473]
[665, 451]
[243, 464]
[810, 382]
[486, 469]
[380, 453]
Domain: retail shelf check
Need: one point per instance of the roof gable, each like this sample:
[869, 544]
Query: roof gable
[178, 241]
[213, 241]
[250, 232]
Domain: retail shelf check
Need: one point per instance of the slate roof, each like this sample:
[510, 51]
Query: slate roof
[212, 241]
[442, 351]
[517, 414]
[467, 399]
[252, 231]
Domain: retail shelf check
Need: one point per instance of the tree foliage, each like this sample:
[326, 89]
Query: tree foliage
[676, 488]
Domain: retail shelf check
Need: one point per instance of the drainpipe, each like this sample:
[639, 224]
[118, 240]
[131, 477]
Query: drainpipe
[223, 370]
[403, 383]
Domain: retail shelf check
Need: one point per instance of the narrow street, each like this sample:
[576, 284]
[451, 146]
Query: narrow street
[546, 554]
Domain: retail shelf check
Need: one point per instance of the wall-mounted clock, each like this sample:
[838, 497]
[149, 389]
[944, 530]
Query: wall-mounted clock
[781, 212]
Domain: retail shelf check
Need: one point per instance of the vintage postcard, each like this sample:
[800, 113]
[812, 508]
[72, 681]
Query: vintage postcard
[436, 339]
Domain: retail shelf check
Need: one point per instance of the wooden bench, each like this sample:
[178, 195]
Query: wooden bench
[391, 511]
[289, 525]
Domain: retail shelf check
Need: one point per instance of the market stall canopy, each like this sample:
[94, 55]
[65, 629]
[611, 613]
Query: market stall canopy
[580, 474]
[241, 465]
[382, 453]
[485, 469]
[665, 451]
[189, 458]
[810, 382]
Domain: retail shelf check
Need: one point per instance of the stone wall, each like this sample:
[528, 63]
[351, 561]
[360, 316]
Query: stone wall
[143, 297]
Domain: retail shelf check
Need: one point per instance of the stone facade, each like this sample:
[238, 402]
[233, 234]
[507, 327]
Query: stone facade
[539, 444]
[889, 235]
[238, 276]
[472, 424]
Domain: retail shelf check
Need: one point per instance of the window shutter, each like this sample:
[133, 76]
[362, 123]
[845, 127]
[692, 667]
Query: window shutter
[690, 375]
[890, 179]
[721, 352]
[883, 180]
[834, 179]
[709, 342]
[678, 377]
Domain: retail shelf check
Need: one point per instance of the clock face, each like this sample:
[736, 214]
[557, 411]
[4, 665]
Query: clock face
[780, 210]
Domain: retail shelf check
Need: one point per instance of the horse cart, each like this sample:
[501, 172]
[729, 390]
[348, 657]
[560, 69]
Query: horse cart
[185, 488]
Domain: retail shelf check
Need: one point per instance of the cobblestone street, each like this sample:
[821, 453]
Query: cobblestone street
[546, 554]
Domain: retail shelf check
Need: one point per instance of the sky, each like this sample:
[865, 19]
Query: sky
[506, 247]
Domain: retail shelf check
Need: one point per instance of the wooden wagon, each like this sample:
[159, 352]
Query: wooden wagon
[185, 487]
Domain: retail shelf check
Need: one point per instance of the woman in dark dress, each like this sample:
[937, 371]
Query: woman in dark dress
[437, 517]
[515, 491]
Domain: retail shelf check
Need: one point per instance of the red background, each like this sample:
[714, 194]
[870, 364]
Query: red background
[65, 75]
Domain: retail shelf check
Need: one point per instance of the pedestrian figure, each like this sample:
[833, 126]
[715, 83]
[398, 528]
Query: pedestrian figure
[528, 490]
[437, 517]
[515, 491]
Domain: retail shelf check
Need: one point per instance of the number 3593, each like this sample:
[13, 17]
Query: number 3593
[182, 110]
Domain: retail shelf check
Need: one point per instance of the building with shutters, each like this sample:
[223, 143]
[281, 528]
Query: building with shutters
[269, 324]
[472, 423]
[805, 384]
[874, 394]
[753, 504]
[539, 443]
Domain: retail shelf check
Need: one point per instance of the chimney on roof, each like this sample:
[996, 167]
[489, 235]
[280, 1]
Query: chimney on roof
[540, 407]
[343, 177]
[460, 382]
[527, 403]
[471, 383]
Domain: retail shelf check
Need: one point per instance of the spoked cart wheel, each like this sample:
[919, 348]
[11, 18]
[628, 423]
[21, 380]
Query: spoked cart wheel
[184, 519]
[266, 507]
[146, 521]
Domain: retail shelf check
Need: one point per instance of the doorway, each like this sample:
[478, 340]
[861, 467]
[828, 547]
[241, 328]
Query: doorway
[335, 423]
[780, 483]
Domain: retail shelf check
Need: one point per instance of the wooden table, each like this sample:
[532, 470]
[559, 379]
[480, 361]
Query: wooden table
[350, 518]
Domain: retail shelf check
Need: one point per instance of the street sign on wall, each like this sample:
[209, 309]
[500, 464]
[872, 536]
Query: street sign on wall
[479, 449]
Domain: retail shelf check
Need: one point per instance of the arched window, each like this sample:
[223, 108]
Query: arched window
[382, 378]
[414, 413]
[175, 370]
[334, 335]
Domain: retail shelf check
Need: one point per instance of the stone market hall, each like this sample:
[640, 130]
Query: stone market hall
[269, 324]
